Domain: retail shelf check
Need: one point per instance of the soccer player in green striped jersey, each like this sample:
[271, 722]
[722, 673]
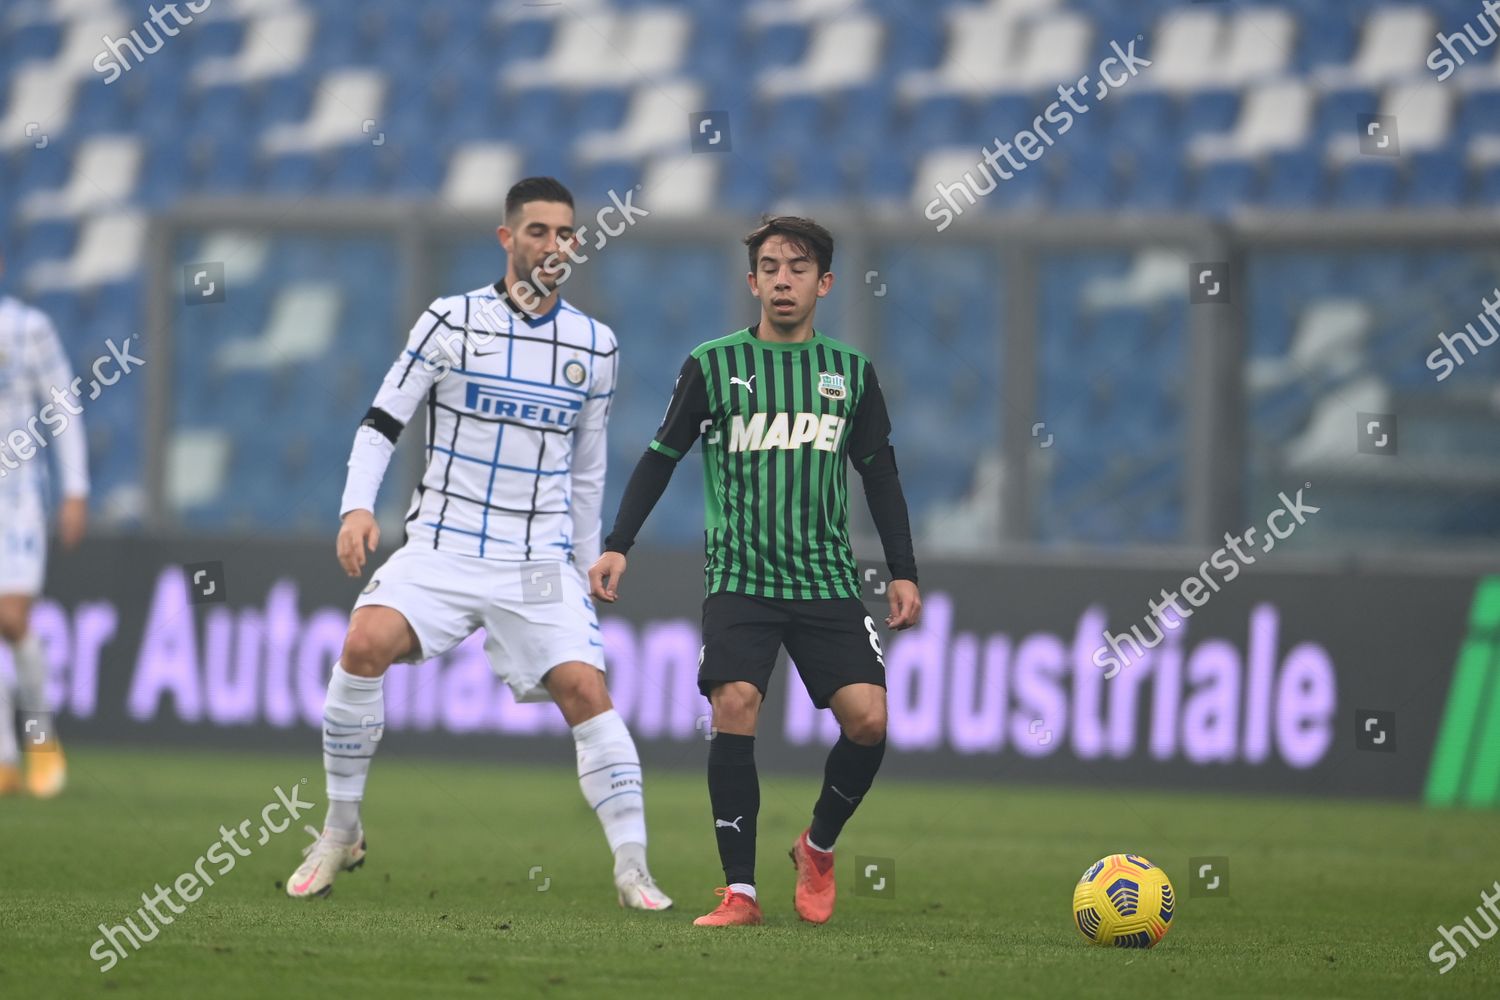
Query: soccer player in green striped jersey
[781, 409]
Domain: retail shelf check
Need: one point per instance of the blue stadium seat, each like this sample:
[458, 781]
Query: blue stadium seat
[34, 40]
[357, 169]
[1294, 179]
[1324, 38]
[417, 169]
[1367, 183]
[745, 184]
[860, 117]
[291, 174]
[1155, 179]
[1437, 177]
[1086, 181]
[998, 117]
[1210, 112]
[914, 40]
[1339, 111]
[598, 180]
[790, 123]
[776, 45]
[214, 38]
[1487, 186]
[598, 109]
[1142, 121]
[1479, 114]
[1225, 186]
[285, 99]
[49, 239]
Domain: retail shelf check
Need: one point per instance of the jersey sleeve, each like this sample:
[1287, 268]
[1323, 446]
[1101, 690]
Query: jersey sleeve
[686, 412]
[590, 453]
[421, 363]
[870, 429]
[49, 368]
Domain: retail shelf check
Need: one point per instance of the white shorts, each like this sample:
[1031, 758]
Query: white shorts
[536, 615]
[23, 548]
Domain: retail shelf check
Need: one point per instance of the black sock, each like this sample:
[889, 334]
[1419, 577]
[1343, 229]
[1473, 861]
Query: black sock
[734, 794]
[847, 777]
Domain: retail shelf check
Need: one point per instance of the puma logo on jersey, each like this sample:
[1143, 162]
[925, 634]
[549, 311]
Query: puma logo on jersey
[785, 431]
[735, 380]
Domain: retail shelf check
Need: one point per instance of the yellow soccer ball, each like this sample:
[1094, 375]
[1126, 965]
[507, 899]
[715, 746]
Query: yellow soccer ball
[1123, 901]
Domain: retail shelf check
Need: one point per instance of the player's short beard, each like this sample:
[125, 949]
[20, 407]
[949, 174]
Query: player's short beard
[529, 288]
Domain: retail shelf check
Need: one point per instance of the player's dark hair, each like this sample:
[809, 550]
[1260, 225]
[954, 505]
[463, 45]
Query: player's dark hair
[536, 189]
[804, 234]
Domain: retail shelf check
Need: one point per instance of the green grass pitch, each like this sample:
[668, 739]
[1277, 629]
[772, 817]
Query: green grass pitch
[1327, 899]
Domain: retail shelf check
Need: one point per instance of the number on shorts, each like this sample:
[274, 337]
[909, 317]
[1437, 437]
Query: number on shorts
[874, 639]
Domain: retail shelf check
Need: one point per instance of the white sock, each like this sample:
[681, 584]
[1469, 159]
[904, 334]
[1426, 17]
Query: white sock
[630, 855]
[820, 850]
[609, 772]
[31, 674]
[353, 722]
[743, 889]
[9, 752]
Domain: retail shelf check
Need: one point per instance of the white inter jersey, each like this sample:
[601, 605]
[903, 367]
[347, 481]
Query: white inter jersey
[32, 365]
[516, 411]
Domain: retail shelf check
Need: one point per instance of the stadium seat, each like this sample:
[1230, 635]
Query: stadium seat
[1370, 183]
[1294, 179]
[1245, 105]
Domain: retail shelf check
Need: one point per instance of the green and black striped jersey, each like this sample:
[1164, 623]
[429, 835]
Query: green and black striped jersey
[778, 423]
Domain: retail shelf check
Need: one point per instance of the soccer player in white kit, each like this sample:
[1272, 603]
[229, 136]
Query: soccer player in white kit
[517, 385]
[36, 383]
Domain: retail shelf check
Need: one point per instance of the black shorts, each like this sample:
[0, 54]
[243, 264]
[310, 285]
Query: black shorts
[832, 641]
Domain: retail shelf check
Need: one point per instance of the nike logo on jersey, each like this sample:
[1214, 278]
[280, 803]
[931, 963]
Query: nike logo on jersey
[785, 431]
[734, 381]
[735, 826]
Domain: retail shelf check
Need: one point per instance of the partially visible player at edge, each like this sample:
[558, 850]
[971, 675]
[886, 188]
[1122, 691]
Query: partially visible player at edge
[34, 375]
[517, 385]
[781, 408]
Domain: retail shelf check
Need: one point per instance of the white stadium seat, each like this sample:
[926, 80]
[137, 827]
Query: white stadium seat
[104, 176]
[844, 53]
[680, 185]
[275, 44]
[608, 49]
[41, 104]
[479, 174]
[1394, 45]
[1273, 116]
[1185, 51]
[346, 100]
[110, 249]
[657, 122]
[303, 325]
[1259, 45]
